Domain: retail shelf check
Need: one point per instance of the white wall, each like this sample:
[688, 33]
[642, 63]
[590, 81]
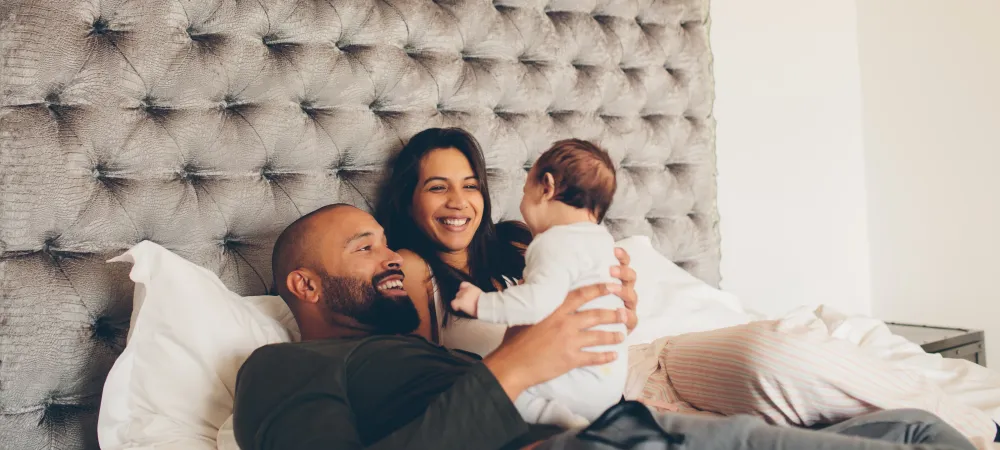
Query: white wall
[790, 148]
[931, 84]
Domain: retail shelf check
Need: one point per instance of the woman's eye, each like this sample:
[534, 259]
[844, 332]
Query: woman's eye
[472, 186]
[436, 188]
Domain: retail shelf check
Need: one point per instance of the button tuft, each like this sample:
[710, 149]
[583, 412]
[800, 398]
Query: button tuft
[107, 331]
[100, 27]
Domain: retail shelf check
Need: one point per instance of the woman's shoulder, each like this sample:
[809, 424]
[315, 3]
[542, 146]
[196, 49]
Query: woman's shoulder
[409, 255]
[413, 265]
[417, 283]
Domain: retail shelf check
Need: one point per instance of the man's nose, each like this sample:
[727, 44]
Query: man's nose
[394, 261]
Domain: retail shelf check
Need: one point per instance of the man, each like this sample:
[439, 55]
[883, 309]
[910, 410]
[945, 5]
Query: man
[360, 380]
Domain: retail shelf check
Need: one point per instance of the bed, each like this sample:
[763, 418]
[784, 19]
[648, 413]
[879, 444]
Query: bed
[207, 126]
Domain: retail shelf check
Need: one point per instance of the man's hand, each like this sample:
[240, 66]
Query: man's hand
[467, 299]
[555, 345]
[628, 295]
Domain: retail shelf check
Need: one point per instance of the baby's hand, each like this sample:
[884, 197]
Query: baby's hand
[467, 299]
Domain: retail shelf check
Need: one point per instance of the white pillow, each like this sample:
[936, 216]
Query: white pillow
[173, 385]
[672, 301]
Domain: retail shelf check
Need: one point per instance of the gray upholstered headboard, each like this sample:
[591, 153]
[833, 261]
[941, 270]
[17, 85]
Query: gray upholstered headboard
[206, 126]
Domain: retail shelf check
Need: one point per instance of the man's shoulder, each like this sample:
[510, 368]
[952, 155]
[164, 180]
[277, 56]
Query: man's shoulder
[293, 351]
[291, 362]
[276, 371]
[392, 346]
[290, 355]
[276, 374]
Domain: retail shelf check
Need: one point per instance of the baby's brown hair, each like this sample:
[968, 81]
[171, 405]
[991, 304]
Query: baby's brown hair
[584, 175]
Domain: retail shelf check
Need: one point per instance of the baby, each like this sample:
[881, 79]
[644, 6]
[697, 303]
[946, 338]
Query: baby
[567, 193]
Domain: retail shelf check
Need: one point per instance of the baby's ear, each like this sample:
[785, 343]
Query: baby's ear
[549, 186]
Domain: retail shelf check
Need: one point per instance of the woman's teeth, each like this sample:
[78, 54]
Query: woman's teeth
[455, 222]
[391, 284]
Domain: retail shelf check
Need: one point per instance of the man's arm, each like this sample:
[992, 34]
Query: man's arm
[474, 413]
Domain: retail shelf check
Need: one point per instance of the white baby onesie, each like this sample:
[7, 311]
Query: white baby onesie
[557, 261]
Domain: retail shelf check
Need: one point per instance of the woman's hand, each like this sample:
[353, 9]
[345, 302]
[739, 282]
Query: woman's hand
[627, 294]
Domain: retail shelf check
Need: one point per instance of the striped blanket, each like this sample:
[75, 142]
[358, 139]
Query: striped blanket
[806, 370]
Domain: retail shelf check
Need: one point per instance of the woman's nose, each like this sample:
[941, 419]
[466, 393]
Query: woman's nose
[457, 200]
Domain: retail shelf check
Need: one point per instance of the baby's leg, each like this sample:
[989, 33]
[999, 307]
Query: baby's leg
[585, 392]
[540, 410]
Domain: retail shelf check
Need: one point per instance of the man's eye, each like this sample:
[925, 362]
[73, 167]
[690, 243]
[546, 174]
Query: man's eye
[365, 248]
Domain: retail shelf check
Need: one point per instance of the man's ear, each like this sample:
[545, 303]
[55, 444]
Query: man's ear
[548, 186]
[302, 285]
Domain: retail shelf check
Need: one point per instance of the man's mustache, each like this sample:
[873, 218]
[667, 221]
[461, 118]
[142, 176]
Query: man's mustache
[388, 273]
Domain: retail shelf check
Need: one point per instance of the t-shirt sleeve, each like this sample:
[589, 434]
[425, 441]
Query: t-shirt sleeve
[548, 275]
[474, 413]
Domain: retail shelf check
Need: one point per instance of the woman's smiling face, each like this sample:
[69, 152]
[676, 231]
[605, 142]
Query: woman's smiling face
[447, 202]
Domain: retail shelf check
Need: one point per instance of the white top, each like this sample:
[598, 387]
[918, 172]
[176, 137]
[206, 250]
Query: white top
[589, 250]
[471, 335]
[562, 258]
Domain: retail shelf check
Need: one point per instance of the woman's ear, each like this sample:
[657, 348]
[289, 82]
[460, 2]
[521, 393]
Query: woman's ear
[548, 186]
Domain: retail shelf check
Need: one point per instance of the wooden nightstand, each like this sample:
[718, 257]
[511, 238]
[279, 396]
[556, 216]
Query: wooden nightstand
[948, 342]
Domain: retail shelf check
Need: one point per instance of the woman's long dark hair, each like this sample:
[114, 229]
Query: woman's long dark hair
[496, 250]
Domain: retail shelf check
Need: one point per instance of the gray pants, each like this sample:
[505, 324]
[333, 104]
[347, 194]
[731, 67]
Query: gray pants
[887, 430]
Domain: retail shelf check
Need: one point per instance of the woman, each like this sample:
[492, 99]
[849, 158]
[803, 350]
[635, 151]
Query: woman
[436, 212]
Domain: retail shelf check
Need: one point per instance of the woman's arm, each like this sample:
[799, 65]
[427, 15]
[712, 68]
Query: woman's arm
[417, 283]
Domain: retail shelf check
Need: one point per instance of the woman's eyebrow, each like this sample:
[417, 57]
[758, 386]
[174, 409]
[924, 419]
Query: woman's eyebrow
[429, 179]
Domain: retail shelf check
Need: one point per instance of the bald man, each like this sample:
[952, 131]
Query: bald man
[361, 379]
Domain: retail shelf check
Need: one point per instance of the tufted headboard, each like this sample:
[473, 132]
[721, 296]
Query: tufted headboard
[207, 126]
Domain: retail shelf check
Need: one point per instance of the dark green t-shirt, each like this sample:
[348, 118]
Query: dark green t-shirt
[380, 392]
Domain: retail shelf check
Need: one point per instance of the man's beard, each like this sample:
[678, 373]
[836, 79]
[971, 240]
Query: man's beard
[361, 301]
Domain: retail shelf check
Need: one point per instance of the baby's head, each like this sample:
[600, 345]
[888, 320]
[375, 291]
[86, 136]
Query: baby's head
[573, 181]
